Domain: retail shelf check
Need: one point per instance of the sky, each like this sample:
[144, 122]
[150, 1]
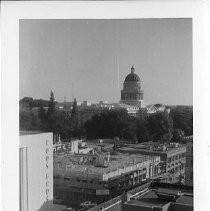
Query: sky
[89, 59]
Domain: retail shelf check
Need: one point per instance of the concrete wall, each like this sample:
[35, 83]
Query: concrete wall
[189, 164]
[133, 207]
[37, 172]
[180, 207]
[111, 205]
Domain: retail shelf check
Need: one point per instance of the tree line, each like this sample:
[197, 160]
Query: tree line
[50, 119]
[31, 103]
[160, 126]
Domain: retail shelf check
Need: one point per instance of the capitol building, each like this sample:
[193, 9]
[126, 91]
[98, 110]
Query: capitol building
[131, 99]
[132, 93]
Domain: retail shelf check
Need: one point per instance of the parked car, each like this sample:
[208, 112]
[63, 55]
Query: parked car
[87, 204]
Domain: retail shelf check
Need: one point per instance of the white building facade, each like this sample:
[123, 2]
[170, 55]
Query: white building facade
[36, 170]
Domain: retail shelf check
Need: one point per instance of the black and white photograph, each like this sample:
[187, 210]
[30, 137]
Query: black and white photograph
[114, 100]
[105, 114]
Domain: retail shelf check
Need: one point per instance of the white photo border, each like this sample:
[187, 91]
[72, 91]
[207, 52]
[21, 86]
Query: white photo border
[13, 11]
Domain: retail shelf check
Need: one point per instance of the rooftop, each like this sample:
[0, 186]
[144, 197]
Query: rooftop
[80, 163]
[152, 147]
[149, 198]
[28, 132]
[144, 198]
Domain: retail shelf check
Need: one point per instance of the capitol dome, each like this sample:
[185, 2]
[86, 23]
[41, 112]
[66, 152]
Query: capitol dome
[132, 93]
[132, 77]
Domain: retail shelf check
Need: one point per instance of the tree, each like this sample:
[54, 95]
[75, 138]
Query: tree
[110, 124]
[160, 126]
[74, 120]
[42, 116]
[142, 131]
[28, 102]
[24, 120]
[178, 135]
[183, 118]
[62, 124]
[29, 121]
[34, 125]
[51, 105]
[50, 113]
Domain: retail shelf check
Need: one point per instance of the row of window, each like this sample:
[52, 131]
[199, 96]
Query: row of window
[176, 167]
[131, 96]
[176, 157]
[78, 180]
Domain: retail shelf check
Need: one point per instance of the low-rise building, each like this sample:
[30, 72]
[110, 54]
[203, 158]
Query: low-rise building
[162, 197]
[172, 156]
[151, 196]
[99, 177]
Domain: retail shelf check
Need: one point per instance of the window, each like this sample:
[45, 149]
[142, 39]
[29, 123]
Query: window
[56, 177]
[67, 178]
[47, 142]
[47, 158]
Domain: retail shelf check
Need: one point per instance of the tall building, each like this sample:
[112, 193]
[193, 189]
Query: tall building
[132, 93]
[36, 170]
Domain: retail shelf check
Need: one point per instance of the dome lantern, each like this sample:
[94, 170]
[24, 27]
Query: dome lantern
[132, 69]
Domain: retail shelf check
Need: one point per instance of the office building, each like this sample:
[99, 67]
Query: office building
[36, 170]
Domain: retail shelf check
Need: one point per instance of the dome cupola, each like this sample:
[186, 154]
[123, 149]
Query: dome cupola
[132, 77]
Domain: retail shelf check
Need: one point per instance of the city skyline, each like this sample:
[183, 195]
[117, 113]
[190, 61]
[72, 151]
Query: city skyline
[94, 56]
